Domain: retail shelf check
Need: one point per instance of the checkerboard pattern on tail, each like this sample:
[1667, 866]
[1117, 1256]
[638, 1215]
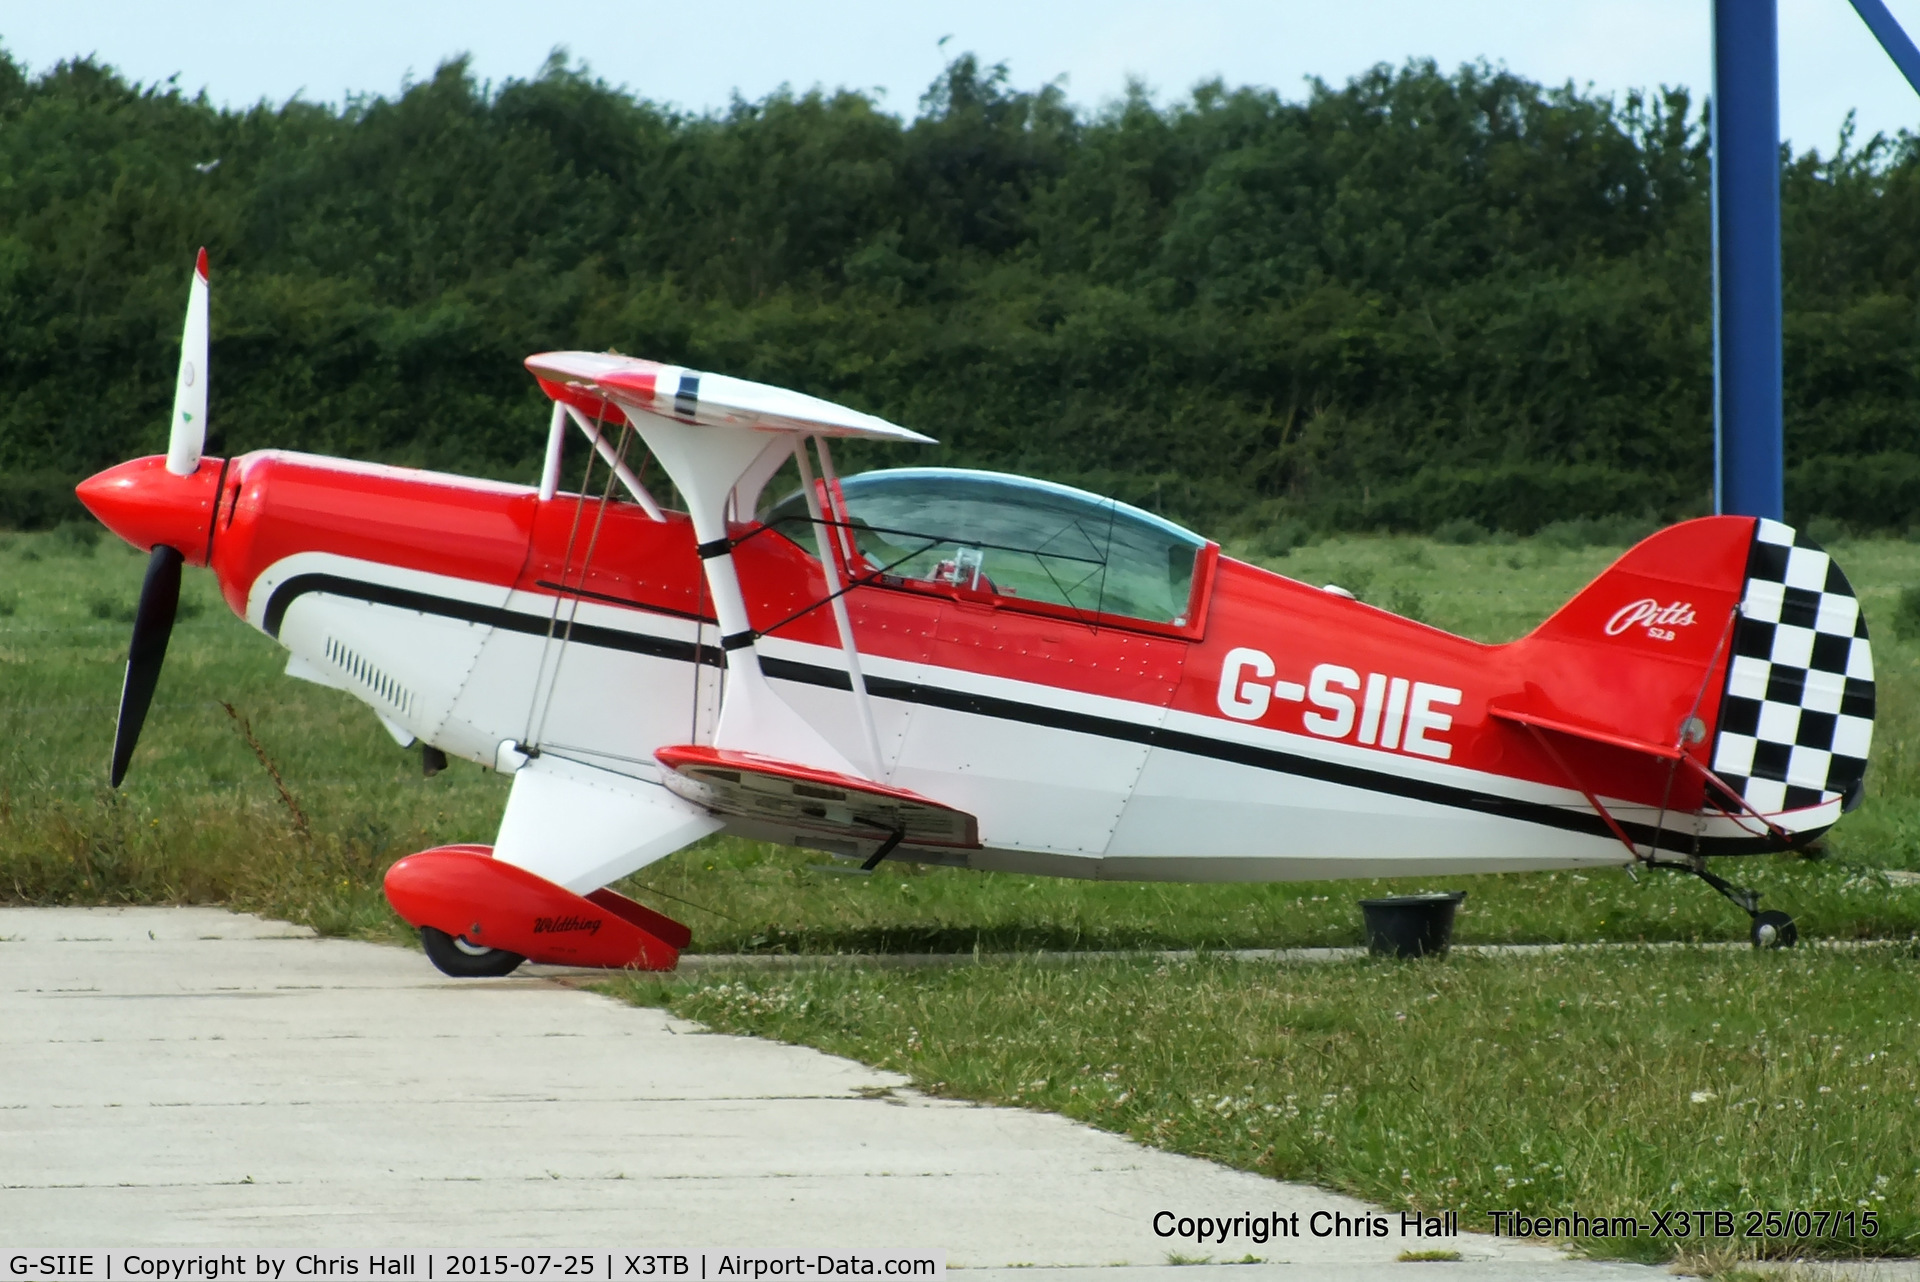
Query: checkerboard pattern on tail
[1797, 717]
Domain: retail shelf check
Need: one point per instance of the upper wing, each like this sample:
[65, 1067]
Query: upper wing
[589, 381]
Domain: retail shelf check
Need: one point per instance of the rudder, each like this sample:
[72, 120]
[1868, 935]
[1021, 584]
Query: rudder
[1796, 715]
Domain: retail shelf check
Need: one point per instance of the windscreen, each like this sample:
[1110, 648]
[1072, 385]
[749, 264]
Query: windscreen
[1014, 537]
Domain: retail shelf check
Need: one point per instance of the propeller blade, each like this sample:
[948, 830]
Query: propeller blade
[152, 625]
[188, 435]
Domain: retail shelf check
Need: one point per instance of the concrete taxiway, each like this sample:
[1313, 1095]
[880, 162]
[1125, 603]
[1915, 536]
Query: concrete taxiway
[192, 1077]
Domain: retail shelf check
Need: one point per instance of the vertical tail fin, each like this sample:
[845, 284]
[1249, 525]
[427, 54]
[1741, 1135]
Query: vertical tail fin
[1736, 641]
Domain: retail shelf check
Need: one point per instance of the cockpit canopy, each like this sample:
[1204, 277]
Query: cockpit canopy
[1013, 537]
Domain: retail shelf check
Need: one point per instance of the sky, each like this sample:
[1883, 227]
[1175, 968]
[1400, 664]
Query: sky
[698, 55]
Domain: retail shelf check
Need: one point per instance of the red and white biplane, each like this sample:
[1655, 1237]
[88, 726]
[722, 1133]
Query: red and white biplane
[967, 668]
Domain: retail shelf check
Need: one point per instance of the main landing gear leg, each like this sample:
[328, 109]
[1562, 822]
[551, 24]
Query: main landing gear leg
[1771, 927]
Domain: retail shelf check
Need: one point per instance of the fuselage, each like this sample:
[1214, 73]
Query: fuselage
[1277, 731]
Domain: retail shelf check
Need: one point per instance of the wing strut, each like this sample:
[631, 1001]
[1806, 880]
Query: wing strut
[831, 564]
[550, 466]
[618, 464]
[705, 462]
[706, 431]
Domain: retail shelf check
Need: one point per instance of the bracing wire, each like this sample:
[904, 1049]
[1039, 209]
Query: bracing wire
[566, 561]
[586, 562]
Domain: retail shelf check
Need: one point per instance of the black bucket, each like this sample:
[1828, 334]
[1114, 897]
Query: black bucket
[1411, 925]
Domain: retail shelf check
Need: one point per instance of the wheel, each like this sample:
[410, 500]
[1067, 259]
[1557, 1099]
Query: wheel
[1774, 929]
[456, 957]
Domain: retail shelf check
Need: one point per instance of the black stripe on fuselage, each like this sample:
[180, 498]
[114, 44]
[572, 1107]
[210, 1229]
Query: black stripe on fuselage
[472, 612]
[932, 696]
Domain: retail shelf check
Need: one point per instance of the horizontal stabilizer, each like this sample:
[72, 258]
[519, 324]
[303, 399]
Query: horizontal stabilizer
[750, 786]
[1594, 734]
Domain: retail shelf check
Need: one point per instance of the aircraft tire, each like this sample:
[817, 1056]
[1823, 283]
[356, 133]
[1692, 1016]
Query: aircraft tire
[1774, 929]
[458, 958]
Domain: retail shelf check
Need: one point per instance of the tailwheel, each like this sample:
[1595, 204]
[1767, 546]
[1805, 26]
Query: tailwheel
[1771, 927]
[1774, 929]
[456, 957]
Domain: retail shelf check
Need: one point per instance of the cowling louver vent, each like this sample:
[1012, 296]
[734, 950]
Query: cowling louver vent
[377, 683]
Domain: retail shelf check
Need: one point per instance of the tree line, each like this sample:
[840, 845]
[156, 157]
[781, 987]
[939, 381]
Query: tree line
[1412, 299]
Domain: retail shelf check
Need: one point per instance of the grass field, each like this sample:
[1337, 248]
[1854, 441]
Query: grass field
[1617, 1082]
[1488, 1076]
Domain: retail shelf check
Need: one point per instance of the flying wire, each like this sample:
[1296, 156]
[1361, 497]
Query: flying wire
[859, 582]
[593, 543]
[678, 900]
[566, 561]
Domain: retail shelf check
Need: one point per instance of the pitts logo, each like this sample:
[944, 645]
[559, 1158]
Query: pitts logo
[1650, 614]
[560, 925]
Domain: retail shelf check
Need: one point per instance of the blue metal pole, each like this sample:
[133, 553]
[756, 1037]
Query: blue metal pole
[1891, 38]
[1748, 469]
